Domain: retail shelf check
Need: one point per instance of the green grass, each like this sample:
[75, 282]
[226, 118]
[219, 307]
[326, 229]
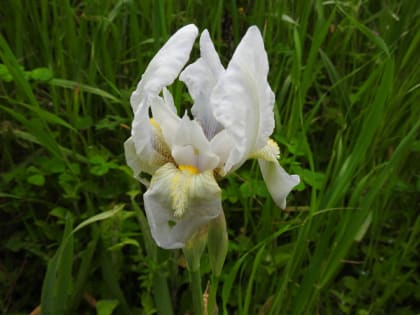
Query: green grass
[347, 83]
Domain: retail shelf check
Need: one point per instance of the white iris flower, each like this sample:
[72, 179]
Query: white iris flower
[233, 120]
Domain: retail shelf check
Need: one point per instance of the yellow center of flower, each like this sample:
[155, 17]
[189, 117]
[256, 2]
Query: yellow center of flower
[189, 168]
[154, 123]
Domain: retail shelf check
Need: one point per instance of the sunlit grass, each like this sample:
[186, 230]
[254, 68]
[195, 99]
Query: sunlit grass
[346, 80]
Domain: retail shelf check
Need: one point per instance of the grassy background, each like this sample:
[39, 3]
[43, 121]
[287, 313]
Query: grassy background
[346, 78]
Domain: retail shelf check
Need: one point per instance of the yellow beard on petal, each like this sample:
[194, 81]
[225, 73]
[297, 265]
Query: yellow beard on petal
[179, 194]
[180, 188]
[186, 184]
[163, 151]
[270, 152]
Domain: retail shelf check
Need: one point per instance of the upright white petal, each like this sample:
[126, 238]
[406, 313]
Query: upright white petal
[200, 78]
[278, 181]
[243, 100]
[161, 71]
[165, 65]
[171, 189]
[169, 100]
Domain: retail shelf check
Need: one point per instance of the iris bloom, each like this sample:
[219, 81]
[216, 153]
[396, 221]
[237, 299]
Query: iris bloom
[232, 122]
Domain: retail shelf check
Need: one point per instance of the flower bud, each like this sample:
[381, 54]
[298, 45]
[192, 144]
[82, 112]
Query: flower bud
[194, 248]
[217, 243]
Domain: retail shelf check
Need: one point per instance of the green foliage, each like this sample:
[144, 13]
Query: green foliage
[346, 79]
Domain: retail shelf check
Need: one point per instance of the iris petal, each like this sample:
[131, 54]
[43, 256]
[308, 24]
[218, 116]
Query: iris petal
[170, 188]
[243, 100]
[191, 146]
[161, 71]
[132, 159]
[200, 78]
[279, 182]
[165, 66]
[164, 115]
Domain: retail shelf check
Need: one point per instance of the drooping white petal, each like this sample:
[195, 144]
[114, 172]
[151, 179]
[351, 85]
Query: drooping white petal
[200, 78]
[243, 100]
[191, 147]
[142, 138]
[132, 159]
[171, 189]
[147, 138]
[165, 65]
[278, 181]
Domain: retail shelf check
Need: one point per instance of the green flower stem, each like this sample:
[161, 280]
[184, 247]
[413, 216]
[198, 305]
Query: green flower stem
[197, 292]
[212, 295]
[161, 294]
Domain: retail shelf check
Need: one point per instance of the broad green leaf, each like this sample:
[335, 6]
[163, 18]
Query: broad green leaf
[41, 74]
[4, 74]
[36, 179]
[106, 307]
